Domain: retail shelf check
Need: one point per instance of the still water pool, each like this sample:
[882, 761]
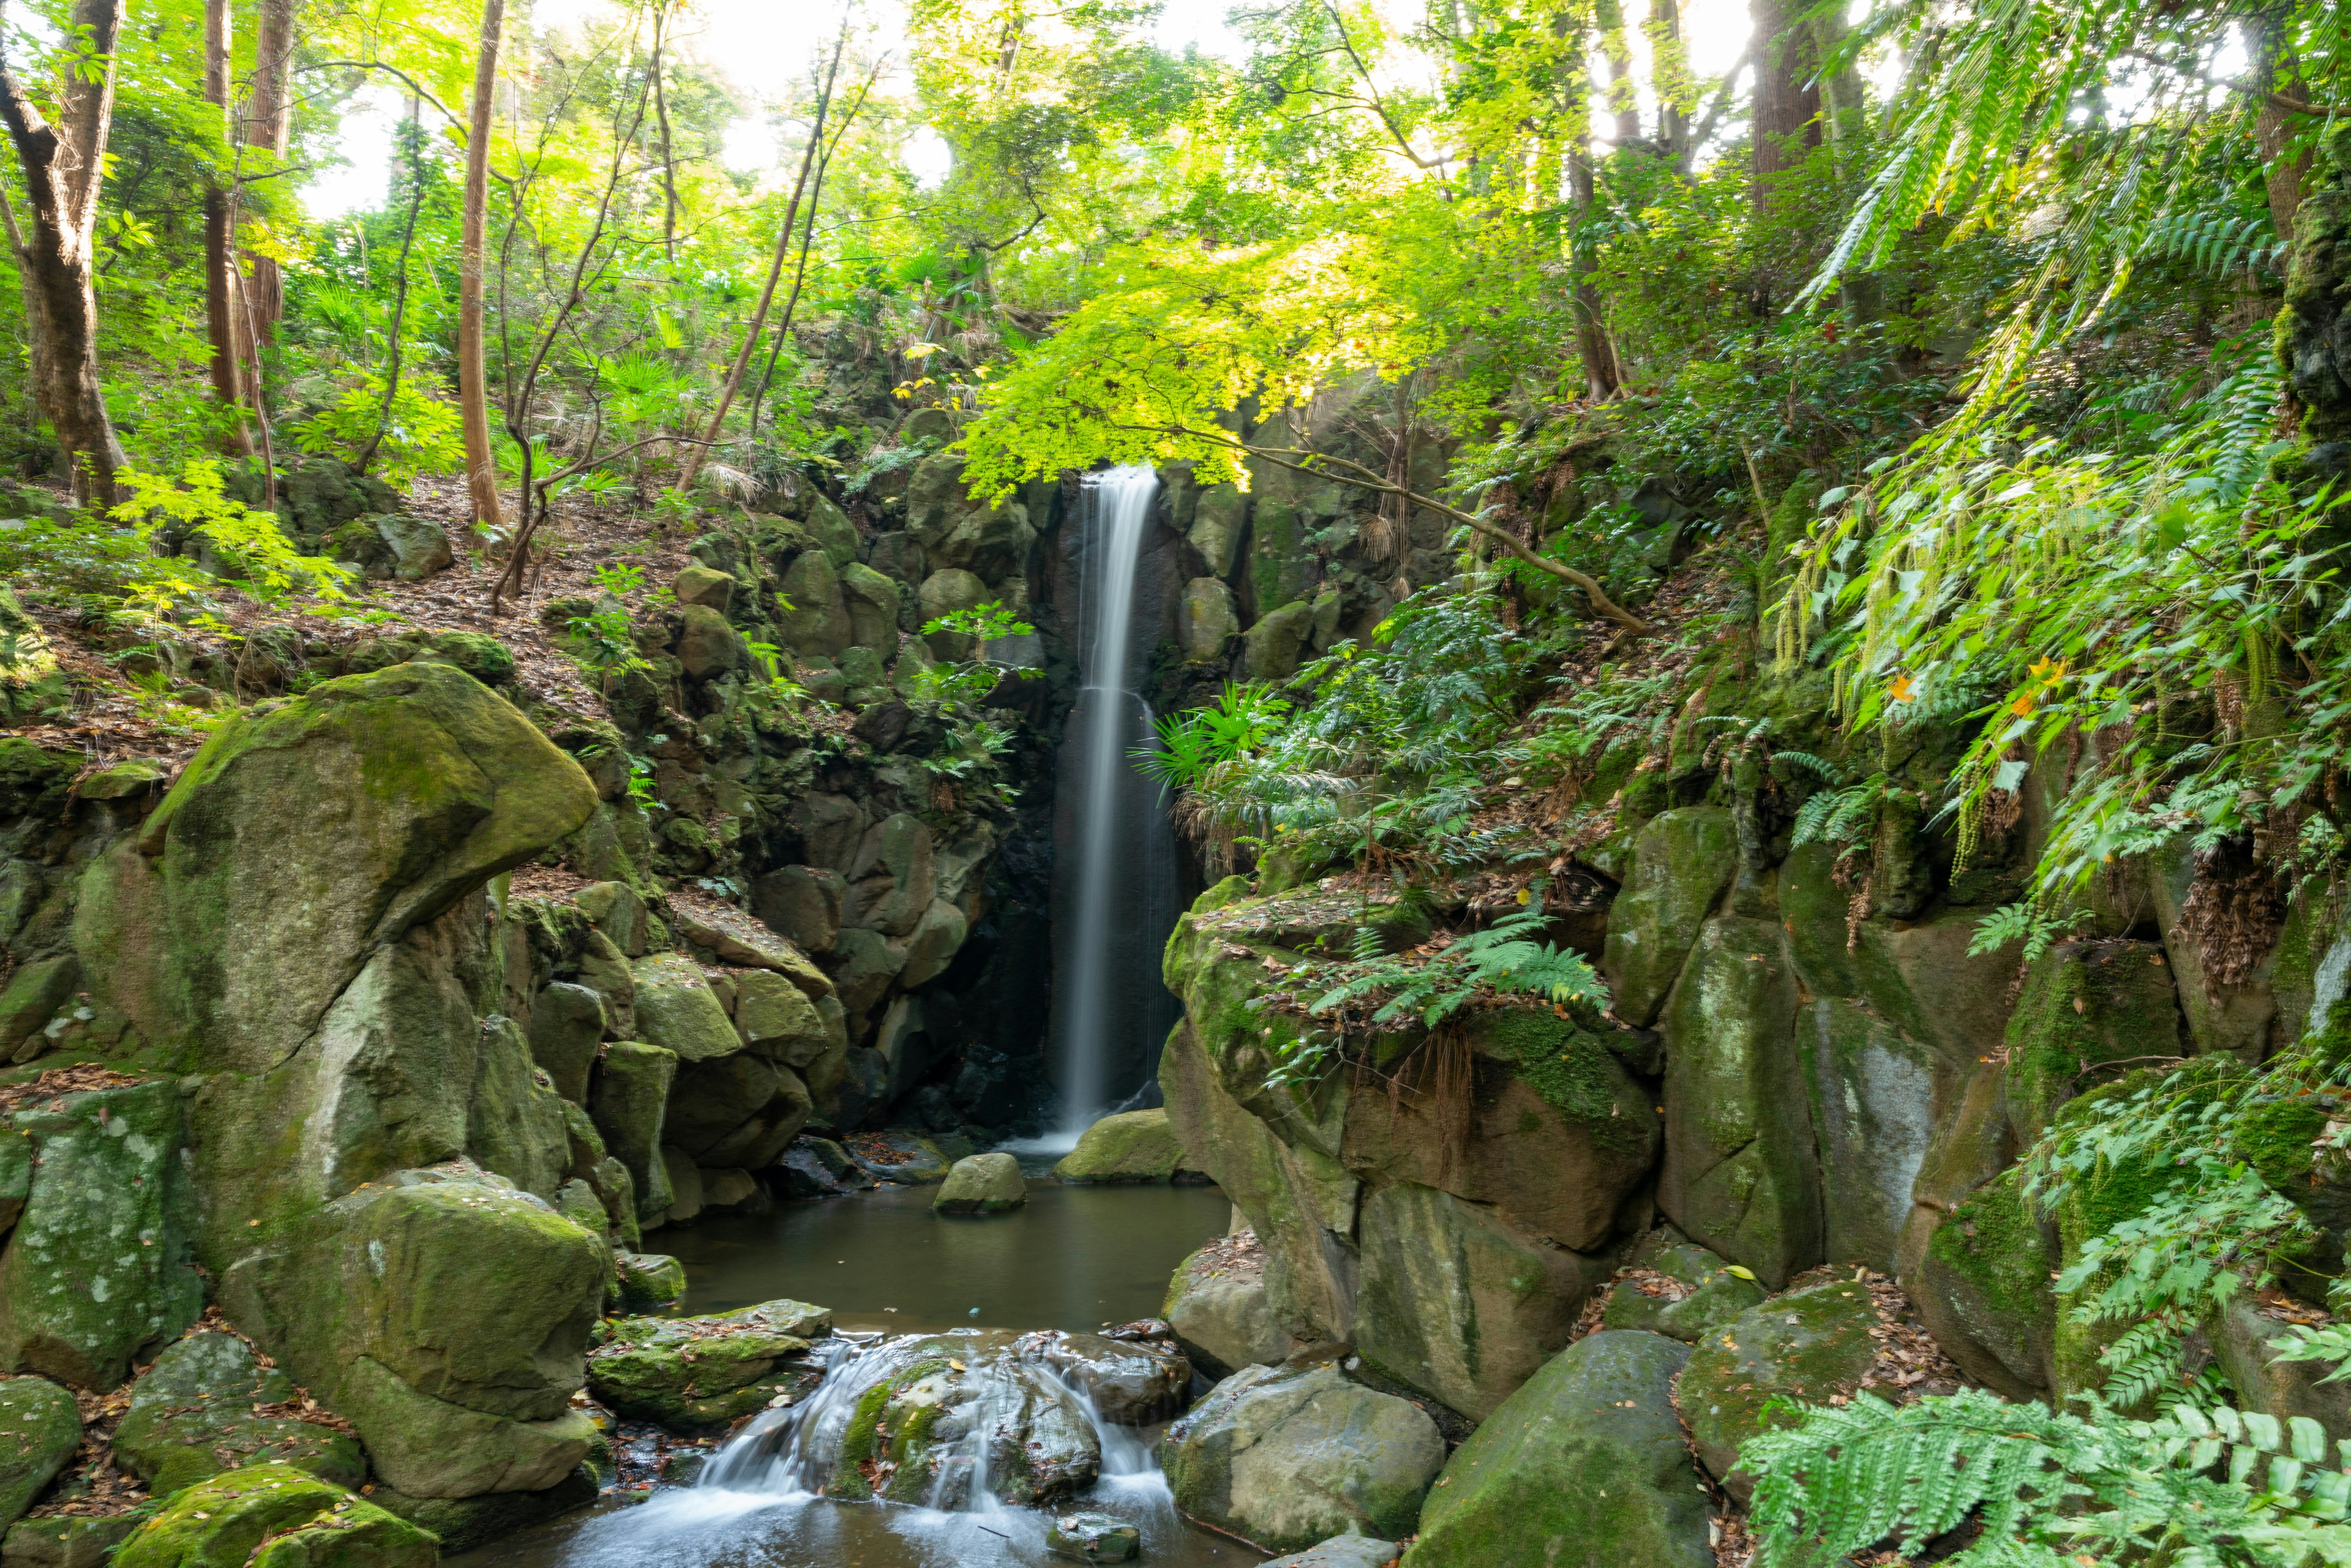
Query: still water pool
[1075, 1257]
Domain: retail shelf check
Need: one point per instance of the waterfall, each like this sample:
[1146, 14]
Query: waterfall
[1116, 893]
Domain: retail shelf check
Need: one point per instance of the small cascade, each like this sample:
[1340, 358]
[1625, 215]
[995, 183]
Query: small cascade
[1116, 891]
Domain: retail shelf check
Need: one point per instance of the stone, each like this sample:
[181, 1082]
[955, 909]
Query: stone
[677, 1011]
[1585, 1467]
[1285, 1457]
[903, 1159]
[933, 944]
[684, 1184]
[1271, 649]
[100, 1269]
[945, 593]
[803, 903]
[1219, 519]
[567, 1026]
[1220, 1315]
[694, 1373]
[463, 1524]
[819, 1168]
[871, 601]
[15, 1178]
[1342, 1552]
[941, 1412]
[2245, 1341]
[699, 584]
[389, 546]
[69, 1540]
[708, 647]
[730, 1188]
[817, 621]
[1983, 1290]
[732, 937]
[516, 1126]
[1130, 1381]
[741, 1110]
[1457, 1303]
[351, 826]
[617, 912]
[444, 1314]
[647, 1282]
[40, 1428]
[1094, 1538]
[194, 1414]
[1132, 1146]
[894, 877]
[1682, 861]
[1813, 1344]
[1712, 1296]
[2086, 1004]
[834, 534]
[630, 1102]
[982, 1183]
[1742, 1172]
[775, 1019]
[604, 970]
[1872, 1104]
[34, 992]
[274, 1516]
[1207, 621]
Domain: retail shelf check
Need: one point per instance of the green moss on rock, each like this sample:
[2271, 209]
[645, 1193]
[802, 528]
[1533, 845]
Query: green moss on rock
[1134, 1147]
[274, 1516]
[1811, 1345]
[693, 1374]
[40, 1427]
[196, 1412]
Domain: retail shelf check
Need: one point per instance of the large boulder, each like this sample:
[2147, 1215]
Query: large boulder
[1816, 1345]
[818, 621]
[629, 1102]
[446, 1315]
[1583, 1467]
[695, 1374]
[1130, 1380]
[1208, 621]
[1271, 647]
[274, 1516]
[982, 1183]
[1983, 1290]
[1682, 860]
[1285, 1457]
[1683, 1293]
[738, 1111]
[98, 1270]
[677, 1010]
[292, 920]
[40, 1428]
[776, 1019]
[937, 1416]
[207, 1405]
[1217, 1306]
[1132, 1146]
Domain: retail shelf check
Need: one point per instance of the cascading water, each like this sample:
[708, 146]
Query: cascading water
[1117, 894]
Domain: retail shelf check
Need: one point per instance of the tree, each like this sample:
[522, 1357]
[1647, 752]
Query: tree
[473, 375]
[220, 304]
[1787, 101]
[64, 162]
[268, 126]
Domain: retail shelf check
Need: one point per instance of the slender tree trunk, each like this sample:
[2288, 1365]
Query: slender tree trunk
[268, 125]
[1787, 101]
[63, 163]
[35, 344]
[411, 136]
[1844, 106]
[1669, 73]
[668, 156]
[2277, 71]
[220, 309]
[472, 383]
[1623, 105]
[757, 329]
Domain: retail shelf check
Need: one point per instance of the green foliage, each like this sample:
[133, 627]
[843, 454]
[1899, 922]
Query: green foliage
[960, 684]
[2203, 1487]
[605, 644]
[1197, 742]
[2026, 923]
[419, 430]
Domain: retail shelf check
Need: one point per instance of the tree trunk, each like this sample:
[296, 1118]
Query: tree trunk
[472, 383]
[1669, 72]
[668, 155]
[1844, 105]
[220, 307]
[2276, 70]
[63, 165]
[269, 125]
[1786, 99]
[1623, 105]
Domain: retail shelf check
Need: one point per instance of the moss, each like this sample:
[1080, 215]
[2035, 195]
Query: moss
[2276, 1140]
[274, 1516]
[2086, 1004]
[1573, 1071]
[859, 1445]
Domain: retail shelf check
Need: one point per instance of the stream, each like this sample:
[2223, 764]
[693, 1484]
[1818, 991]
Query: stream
[1075, 1257]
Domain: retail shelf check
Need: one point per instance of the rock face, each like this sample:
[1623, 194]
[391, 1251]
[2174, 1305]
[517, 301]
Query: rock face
[982, 1183]
[1130, 1382]
[195, 1414]
[1583, 1468]
[40, 1427]
[1812, 1344]
[274, 1516]
[696, 1373]
[1136, 1146]
[1284, 1458]
[1217, 1306]
[932, 1414]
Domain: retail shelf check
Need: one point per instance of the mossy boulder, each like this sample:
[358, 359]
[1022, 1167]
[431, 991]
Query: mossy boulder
[1682, 861]
[445, 1314]
[646, 1281]
[199, 1411]
[1284, 1458]
[1871, 1095]
[1983, 1289]
[695, 1374]
[630, 1102]
[1742, 1173]
[982, 1183]
[677, 1010]
[1133, 1147]
[943, 1413]
[1703, 1295]
[1585, 1467]
[1813, 1344]
[98, 1269]
[2084, 1005]
[463, 1524]
[274, 1516]
[817, 621]
[70, 1541]
[40, 1428]
[905, 1159]
[1216, 1304]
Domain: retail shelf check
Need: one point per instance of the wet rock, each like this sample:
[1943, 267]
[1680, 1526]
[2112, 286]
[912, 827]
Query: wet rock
[903, 1158]
[1218, 1308]
[1583, 1468]
[802, 902]
[1134, 1147]
[1094, 1538]
[819, 1168]
[1219, 521]
[463, 1524]
[1342, 1552]
[692, 1373]
[99, 1267]
[982, 1183]
[1682, 861]
[274, 1516]
[195, 1413]
[1710, 1296]
[1286, 1457]
[629, 1101]
[937, 1412]
[69, 1540]
[40, 1427]
[1811, 1344]
[1131, 1381]
[647, 1282]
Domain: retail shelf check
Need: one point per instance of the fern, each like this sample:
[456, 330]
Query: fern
[1507, 958]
